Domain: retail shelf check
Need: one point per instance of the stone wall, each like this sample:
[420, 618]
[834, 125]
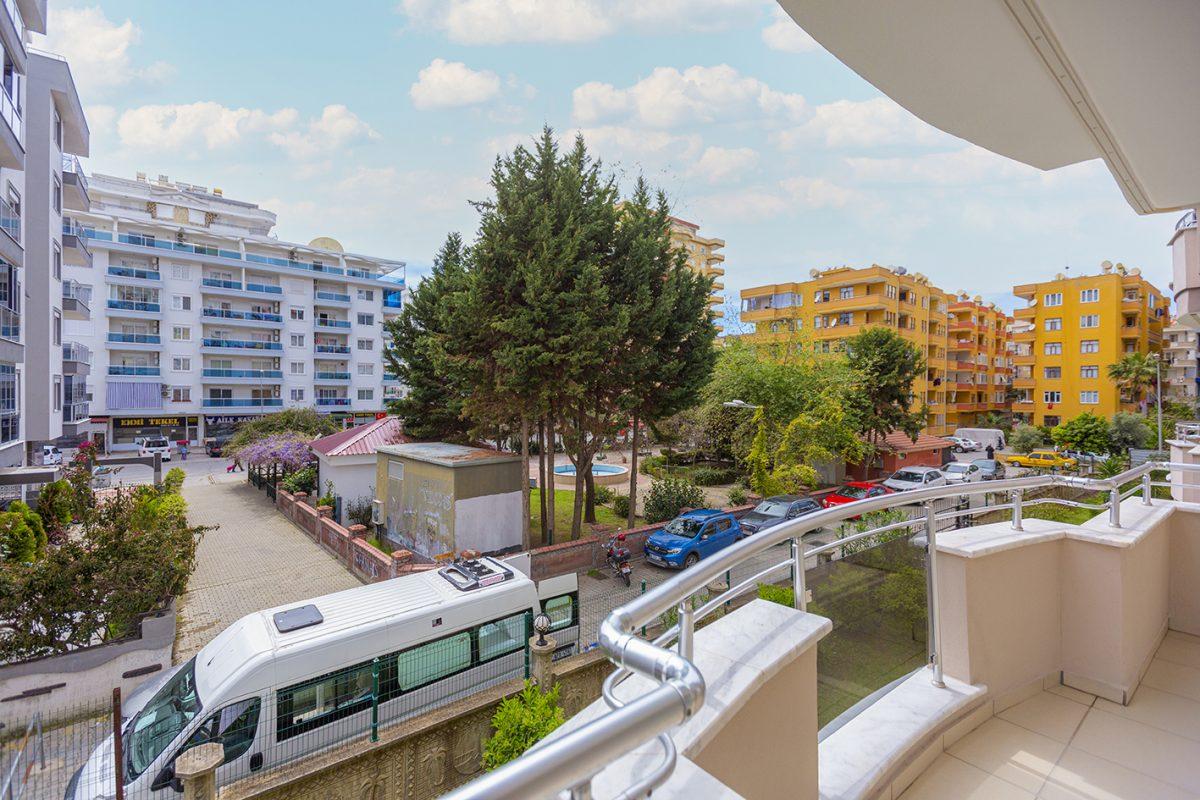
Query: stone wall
[422, 758]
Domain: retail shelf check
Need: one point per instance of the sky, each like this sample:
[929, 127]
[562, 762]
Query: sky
[377, 122]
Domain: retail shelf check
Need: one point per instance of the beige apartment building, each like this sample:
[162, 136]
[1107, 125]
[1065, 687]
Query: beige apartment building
[703, 257]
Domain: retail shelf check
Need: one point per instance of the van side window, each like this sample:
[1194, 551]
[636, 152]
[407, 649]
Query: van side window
[427, 663]
[500, 637]
[302, 707]
[560, 610]
[232, 727]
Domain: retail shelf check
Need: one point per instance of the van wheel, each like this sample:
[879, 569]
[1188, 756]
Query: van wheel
[691, 560]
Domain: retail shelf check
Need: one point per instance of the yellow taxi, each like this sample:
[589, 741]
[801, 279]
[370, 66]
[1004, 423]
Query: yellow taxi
[1042, 459]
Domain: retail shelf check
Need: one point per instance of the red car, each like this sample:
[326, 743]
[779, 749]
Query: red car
[854, 490]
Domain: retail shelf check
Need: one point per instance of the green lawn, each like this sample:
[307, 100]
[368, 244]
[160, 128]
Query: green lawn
[564, 507]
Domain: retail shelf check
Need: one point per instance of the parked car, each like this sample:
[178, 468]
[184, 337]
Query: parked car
[961, 444]
[692, 536]
[990, 469]
[854, 490]
[915, 478]
[962, 472]
[777, 509]
[984, 436]
[149, 445]
[1043, 459]
[51, 454]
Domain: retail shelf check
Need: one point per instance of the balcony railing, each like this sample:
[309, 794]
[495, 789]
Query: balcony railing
[73, 351]
[12, 117]
[135, 305]
[117, 369]
[74, 290]
[221, 283]
[241, 344]
[134, 338]
[333, 401]
[334, 296]
[76, 412]
[332, 376]
[10, 218]
[14, 15]
[326, 322]
[569, 762]
[253, 402]
[332, 348]
[210, 372]
[1187, 431]
[133, 272]
[71, 164]
[390, 377]
[10, 324]
[255, 316]
[266, 288]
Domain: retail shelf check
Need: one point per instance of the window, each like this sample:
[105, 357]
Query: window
[1089, 398]
[301, 708]
[58, 395]
[1089, 346]
[366, 319]
[56, 194]
[366, 344]
[181, 394]
[58, 129]
[180, 272]
[1054, 324]
[181, 302]
[296, 367]
[297, 340]
[366, 369]
[297, 394]
[1089, 321]
[57, 327]
[181, 364]
[427, 663]
[1053, 348]
[560, 610]
[501, 637]
[1051, 397]
[1052, 372]
[297, 313]
[890, 292]
[820, 297]
[366, 394]
[232, 727]
[1089, 295]
[366, 294]
[56, 261]
[181, 333]
[1090, 371]
[1054, 299]
[846, 293]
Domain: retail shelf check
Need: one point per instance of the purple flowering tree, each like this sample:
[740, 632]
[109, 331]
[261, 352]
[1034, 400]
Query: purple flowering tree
[288, 451]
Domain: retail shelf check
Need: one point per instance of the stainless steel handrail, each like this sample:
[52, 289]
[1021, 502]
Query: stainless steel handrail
[568, 762]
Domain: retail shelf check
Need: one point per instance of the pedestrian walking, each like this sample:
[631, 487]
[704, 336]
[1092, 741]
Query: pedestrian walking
[991, 452]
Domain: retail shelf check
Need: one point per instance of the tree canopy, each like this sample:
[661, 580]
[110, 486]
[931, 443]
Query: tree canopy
[885, 366]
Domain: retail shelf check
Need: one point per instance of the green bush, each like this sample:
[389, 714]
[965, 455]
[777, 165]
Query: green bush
[604, 495]
[1057, 513]
[18, 541]
[359, 511]
[620, 504]
[714, 476]
[56, 507]
[651, 465]
[784, 595]
[34, 521]
[302, 480]
[1025, 438]
[667, 497]
[173, 480]
[738, 496]
[520, 723]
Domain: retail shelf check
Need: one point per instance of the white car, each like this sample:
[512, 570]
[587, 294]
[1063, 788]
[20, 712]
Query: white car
[964, 445]
[51, 454]
[149, 445]
[962, 472]
[915, 478]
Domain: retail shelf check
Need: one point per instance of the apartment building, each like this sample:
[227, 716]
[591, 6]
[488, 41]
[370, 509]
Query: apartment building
[1071, 331]
[963, 340]
[703, 257]
[204, 319]
[1181, 362]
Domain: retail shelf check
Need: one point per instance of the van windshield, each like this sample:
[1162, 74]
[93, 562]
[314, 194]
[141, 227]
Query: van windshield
[158, 724]
[687, 528]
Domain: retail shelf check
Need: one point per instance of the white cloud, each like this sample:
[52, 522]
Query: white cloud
[567, 21]
[718, 164]
[819, 192]
[170, 127]
[100, 117]
[449, 84]
[750, 204]
[784, 34]
[877, 122]
[336, 128]
[648, 149]
[670, 97]
[967, 166]
[98, 50]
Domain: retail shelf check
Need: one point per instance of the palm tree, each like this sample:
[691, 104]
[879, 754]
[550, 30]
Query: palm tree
[1134, 373]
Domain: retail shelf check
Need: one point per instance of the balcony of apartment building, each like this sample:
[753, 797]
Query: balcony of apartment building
[75, 405]
[1131, 325]
[246, 314]
[12, 137]
[135, 365]
[75, 185]
[11, 249]
[331, 295]
[75, 251]
[294, 259]
[227, 339]
[767, 307]
[230, 397]
[325, 320]
[126, 271]
[393, 301]
[11, 349]
[850, 298]
[332, 398]
[331, 371]
[132, 335]
[77, 359]
[326, 344]
[242, 283]
[133, 302]
[241, 370]
[76, 300]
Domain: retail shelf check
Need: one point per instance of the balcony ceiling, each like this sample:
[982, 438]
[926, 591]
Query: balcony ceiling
[1046, 82]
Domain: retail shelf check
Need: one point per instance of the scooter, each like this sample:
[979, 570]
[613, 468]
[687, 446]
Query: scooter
[617, 558]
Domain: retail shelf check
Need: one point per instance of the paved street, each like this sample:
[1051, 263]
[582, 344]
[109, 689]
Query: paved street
[255, 559]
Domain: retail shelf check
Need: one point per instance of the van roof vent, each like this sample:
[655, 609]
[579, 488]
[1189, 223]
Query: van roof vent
[296, 618]
[469, 574]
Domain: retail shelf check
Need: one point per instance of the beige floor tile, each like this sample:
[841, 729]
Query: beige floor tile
[1159, 709]
[1082, 776]
[1139, 747]
[1072, 693]
[1048, 714]
[951, 779]
[1174, 678]
[1008, 751]
[1180, 649]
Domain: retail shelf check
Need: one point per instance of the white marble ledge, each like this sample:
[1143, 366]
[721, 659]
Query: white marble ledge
[864, 751]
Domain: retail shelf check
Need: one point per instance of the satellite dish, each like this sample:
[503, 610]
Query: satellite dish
[327, 243]
[900, 270]
[814, 273]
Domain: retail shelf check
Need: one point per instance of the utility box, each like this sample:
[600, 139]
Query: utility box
[440, 498]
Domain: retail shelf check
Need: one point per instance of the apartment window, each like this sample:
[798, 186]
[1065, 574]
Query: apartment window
[1089, 295]
[1054, 299]
[181, 333]
[181, 364]
[1054, 324]
[846, 293]
[1090, 371]
[366, 369]
[57, 327]
[820, 297]
[366, 394]
[56, 196]
[366, 344]
[58, 129]
[297, 340]
[1089, 398]
[56, 261]
[1051, 372]
[180, 272]
[1053, 348]
[297, 313]
[1051, 397]
[58, 394]
[296, 367]
[890, 292]
[1089, 346]
[297, 394]
[181, 394]
[181, 302]
[366, 294]
[1089, 321]
[366, 319]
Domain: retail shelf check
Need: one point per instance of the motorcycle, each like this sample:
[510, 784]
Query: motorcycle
[617, 558]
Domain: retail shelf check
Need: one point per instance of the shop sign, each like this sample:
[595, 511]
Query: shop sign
[154, 422]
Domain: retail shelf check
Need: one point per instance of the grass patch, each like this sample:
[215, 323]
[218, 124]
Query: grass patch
[378, 545]
[564, 509]
[1057, 513]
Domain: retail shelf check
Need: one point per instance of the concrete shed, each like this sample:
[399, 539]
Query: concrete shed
[445, 498]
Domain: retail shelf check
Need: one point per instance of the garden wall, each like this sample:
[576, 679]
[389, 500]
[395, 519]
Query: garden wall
[59, 684]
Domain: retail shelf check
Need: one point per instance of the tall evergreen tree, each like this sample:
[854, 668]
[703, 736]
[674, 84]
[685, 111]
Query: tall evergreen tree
[886, 365]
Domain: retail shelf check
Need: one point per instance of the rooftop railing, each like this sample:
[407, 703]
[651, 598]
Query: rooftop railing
[569, 762]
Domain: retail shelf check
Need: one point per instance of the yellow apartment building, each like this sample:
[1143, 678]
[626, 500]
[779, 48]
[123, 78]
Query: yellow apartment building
[703, 257]
[1069, 333]
[979, 370]
[838, 303]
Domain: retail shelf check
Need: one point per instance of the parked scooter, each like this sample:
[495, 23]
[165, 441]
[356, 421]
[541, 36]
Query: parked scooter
[617, 558]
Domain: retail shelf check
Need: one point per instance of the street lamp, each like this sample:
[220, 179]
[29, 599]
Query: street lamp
[541, 626]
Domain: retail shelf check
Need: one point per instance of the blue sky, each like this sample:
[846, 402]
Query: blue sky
[376, 122]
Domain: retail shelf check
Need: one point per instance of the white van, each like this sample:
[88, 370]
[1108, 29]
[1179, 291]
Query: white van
[51, 454]
[280, 684]
[149, 445]
[985, 436]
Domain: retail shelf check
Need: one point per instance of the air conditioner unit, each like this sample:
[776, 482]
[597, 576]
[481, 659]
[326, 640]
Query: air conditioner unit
[377, 512]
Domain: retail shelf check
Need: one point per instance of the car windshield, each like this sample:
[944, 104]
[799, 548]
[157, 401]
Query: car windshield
[958, 467]
[156, 443]
[908, 476]
[771, 509]
[853, 492]
[684, 526]
[158, 724]
[986, 464]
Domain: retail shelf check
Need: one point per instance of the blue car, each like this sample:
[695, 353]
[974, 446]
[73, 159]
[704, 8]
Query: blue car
[692, 536]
